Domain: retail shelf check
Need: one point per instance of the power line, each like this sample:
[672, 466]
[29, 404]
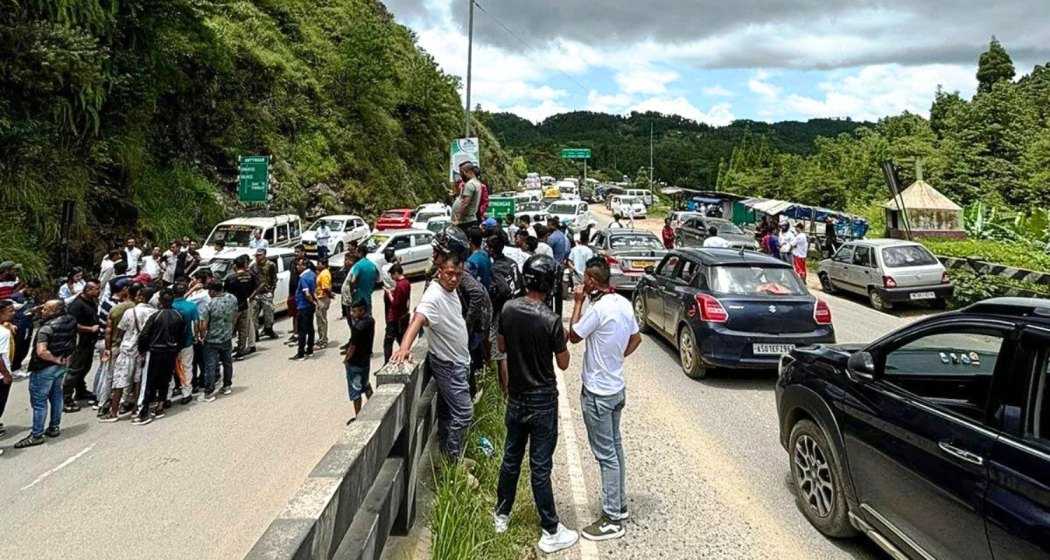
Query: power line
[528, 44]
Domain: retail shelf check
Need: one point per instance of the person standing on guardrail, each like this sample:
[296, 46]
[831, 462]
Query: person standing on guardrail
[611, 331]
[358, 359]
[448, 355]
[533, 338]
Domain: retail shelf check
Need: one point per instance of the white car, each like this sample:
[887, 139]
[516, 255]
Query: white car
[624, 206]
[568, 190]
[344, 227]
[427, 211]
[574, 214]
[438, 224]
[536, 211]
[412, 247]
[644, 194]
[279, 231]
[222, 264]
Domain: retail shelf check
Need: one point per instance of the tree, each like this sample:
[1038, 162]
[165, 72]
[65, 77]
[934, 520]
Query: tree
[994, 66]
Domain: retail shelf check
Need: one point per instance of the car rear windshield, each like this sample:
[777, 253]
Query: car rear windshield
[907, 255]
[635, 242]
[394, 215]
[562, 208]
[373, 243]
[744, 280]
[728, 227]
[424, 216]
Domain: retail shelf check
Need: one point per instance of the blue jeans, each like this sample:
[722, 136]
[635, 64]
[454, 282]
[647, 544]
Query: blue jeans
[531, 420]
[601, 415]
[357, 382]
[455, 410]
[45, 387]
[214, 354]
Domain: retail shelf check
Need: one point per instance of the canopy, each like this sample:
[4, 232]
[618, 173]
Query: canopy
[706, 200]
[855, 225]
[922, 196]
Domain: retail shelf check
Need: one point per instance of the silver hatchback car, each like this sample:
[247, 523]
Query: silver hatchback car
[888, 272]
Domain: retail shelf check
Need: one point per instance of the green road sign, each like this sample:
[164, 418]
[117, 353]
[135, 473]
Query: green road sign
[254, 178]
[576, 153]
[499, 207]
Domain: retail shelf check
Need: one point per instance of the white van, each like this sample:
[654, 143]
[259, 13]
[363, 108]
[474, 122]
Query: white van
[644, 194]
[285, 230]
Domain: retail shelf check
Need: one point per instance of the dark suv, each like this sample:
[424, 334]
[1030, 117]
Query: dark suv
[933, 440]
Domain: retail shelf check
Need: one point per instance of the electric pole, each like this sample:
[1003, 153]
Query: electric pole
[650, 156]
[470, 54]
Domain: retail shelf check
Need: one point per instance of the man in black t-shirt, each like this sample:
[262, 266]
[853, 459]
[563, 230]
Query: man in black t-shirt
[85, 309]
[359, 354]
[533, 338]
[242, 284]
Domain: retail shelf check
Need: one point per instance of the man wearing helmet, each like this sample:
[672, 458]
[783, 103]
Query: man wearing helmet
[448, 355]
[533, 338]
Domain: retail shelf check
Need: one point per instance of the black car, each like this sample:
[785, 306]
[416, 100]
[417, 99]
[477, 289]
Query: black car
[694, 231]
[933, 440]
[729, 308]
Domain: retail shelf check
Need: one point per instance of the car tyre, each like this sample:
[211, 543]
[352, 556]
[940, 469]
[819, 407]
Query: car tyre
[939, 303]
[878, 302]
[817, 475]
[640, 313]
[338, 248]
[825, 283]
[689, 355]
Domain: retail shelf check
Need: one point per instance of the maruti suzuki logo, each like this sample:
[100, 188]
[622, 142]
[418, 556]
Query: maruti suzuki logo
[772, 309]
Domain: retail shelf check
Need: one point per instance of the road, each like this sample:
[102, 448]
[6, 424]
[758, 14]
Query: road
[707, 477]
[201, 483]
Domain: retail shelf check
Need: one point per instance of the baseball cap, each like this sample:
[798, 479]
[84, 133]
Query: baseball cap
[489, 222]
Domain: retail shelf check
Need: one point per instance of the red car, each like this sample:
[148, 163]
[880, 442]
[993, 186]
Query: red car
[400, 218]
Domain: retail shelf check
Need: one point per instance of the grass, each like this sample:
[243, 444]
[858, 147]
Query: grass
[461, 523]
[1010, 254]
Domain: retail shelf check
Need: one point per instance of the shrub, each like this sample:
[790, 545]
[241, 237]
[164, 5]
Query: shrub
[971, 288]
[1009, 254]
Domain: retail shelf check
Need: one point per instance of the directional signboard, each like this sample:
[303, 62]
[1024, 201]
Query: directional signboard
[576, 153]
[499, 207]
[254, 178]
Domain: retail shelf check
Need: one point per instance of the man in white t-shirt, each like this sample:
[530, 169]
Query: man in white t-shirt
[579, 255]
[449, 353]
[713, 240]
[800, 250]
[785, 238]
[7, 314]
[611, 331]
[132, 255]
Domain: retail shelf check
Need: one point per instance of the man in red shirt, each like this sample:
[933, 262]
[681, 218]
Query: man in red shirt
[668, 234]
[397, 316]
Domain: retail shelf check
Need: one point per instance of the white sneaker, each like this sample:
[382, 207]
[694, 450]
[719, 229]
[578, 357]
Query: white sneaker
[563, 538]
[500, 522]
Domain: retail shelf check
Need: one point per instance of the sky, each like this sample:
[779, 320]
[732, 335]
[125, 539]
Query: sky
[715, 61]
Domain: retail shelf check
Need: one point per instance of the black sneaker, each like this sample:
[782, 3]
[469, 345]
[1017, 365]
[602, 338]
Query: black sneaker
[71, 407]
[297, 357]
[3, 430]
[29, 441]
[603, 529]
[186, 400]
[52, 432]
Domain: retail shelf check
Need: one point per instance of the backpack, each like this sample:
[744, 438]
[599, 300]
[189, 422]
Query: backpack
[483, 203]
[506, 284]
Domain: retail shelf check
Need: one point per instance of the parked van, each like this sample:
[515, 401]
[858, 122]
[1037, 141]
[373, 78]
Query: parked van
[285, 230]
[645, 194]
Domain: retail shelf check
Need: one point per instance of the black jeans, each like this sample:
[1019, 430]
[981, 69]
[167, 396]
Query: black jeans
[306, 331]
[79, 366]
[216, 354]
[5, 389]
[198, 365]
[531, 419]
[158, 378]
[395, 330]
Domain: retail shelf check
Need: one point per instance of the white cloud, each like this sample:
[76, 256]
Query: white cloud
[759, 84]
[717, 91]
[608, 103]
[645, 80]
[720, 114]
[537, 112]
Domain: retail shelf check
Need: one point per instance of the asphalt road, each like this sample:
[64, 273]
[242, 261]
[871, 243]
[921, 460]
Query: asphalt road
[202, 483]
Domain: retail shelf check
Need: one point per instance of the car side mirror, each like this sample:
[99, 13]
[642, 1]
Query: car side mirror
[861, 367]
[650, 269]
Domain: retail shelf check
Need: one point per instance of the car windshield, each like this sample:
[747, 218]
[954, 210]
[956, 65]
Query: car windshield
[232, 235]
[422, 217]
[334, 225]
[562, 208]
[437, 226]
[375, 241]
[630, 200]
[530, 206]
[220, 267]
[755, 280]
[907, 255]
[635, 241]
[728, 228]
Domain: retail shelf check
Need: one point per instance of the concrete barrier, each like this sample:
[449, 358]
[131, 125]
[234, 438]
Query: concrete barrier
[977, 266]
[363, 489]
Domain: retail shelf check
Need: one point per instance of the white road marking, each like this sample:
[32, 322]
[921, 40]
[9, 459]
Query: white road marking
[588, 550]
[63, 465]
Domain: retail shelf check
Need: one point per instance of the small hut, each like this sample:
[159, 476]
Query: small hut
[930, 213]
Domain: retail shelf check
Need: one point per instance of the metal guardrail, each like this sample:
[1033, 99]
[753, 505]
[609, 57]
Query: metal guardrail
[364, 488]
[978, 266]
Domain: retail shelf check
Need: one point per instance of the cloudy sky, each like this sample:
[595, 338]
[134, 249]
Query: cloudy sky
[716, 60]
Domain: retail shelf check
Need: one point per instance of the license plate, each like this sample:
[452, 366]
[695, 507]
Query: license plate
[642, 264]
[923, 295]
[771, 349]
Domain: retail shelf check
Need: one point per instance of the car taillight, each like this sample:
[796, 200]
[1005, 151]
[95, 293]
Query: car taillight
[822, 313]
[944, 277]
[888, 282]
[711, 309]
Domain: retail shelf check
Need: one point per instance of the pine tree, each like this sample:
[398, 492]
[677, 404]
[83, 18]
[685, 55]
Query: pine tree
[994, 66]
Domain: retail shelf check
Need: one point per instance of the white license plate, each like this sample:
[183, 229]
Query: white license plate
[771, 349]
[923, 295]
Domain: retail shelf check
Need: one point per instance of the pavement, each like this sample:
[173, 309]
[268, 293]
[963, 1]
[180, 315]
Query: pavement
[202, 483]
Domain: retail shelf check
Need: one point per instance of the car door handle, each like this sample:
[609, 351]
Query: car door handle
[968, 456]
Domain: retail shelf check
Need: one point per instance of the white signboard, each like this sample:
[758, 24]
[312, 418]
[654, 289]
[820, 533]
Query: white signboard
[463, 149]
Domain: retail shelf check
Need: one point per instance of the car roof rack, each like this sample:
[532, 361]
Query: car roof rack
[1015, 306]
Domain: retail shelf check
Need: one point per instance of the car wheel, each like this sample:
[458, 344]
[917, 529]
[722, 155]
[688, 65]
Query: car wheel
[877, 301]
[939, 303]
[338, 248]
[825, 283]
[818, 481]
[639, 313]
[689, 355]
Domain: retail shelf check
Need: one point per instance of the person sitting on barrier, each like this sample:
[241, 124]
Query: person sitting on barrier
[533, 337]
[359, 354]
[448, 356]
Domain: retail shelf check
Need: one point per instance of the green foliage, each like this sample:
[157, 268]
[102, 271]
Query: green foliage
[971, 288]
[994, 66]
[1009, 254]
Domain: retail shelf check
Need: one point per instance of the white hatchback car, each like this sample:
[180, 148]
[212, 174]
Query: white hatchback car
[427, 211]
[344, 227]
[624, 206]
[888, 272]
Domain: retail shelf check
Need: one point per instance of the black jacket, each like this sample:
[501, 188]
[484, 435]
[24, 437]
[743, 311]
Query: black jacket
[163, 332]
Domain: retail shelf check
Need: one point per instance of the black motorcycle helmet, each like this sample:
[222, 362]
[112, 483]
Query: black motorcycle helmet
[452, 241]
[539, 273]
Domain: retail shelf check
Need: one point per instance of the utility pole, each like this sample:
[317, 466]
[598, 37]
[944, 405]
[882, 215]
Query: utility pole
[470, 55]
[650, 156]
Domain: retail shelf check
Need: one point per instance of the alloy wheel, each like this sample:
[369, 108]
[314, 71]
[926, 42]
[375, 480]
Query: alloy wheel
[813, 476]
[686, 349]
